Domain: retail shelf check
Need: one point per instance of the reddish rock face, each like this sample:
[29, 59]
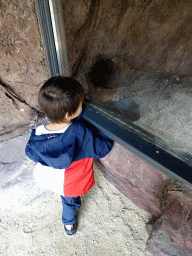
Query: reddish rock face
[169, 201]
[177, 216]
[175, 224]
[138, 180]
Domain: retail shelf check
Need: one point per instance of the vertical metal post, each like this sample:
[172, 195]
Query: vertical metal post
[51, 21]
[45, 24]
[59, 36]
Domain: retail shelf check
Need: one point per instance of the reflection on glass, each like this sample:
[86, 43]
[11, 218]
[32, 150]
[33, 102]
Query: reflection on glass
[159, 104]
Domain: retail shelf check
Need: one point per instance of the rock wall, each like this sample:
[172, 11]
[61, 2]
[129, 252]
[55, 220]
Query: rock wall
[22, 65]
[148, 35]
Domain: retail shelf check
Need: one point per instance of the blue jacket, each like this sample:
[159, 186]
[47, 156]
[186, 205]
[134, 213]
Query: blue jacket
[74, 151]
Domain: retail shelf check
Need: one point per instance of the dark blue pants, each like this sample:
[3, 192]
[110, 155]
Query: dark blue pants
[70, 206]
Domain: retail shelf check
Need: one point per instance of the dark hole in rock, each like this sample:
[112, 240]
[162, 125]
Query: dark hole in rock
[107, 78]
[104, 73]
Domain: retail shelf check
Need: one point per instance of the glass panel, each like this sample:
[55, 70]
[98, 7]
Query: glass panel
[158, 106]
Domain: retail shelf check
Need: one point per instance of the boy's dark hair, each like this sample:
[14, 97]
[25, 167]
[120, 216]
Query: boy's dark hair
[60, 95]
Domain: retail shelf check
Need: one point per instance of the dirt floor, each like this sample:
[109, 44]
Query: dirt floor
[108, 223]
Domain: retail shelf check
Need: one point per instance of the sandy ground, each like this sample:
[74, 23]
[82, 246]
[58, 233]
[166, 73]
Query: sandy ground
[108, 224]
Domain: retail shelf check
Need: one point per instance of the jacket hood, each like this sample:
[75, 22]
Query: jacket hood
[56, 150]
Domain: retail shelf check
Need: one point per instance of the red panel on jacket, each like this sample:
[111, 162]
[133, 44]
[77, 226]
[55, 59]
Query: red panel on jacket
[79, 178]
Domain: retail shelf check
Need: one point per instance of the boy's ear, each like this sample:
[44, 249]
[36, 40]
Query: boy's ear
[67, 116]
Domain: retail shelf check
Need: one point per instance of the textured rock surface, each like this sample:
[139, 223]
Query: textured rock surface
[18, 189]
[138, 180]
[15, 113]
[159, 243]
[177, 215]
[171, 233]
[22, 65]
[147, 35]
[22, 54]
[169, 201]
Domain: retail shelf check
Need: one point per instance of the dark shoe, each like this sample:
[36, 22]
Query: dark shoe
[72, 231]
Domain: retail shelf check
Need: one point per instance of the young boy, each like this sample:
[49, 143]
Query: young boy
[65, 148]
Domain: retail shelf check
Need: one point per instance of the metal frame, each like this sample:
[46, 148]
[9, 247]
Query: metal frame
[59, 35]
[51, 21]
[174, 167]
[53, 34]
